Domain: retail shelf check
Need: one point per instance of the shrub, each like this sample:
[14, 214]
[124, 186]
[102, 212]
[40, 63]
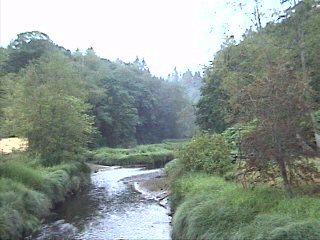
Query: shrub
[234, 134]
[208, 153]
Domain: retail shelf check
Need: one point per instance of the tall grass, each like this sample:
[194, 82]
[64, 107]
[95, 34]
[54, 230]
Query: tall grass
[21, 172]
[28, 191]
[207, 207]
[156, 155]
[20, 209]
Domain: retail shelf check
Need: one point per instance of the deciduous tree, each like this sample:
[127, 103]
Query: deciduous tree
[278, 101]
[49, 109]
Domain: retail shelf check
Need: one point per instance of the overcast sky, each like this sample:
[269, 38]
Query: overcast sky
[167, 33]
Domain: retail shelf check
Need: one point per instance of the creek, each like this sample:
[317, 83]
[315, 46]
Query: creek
[110, 209]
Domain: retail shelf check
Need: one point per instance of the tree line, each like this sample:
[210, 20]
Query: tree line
[63, 101]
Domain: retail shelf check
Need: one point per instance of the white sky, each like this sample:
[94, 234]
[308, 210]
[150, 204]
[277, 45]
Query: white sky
[167, 33]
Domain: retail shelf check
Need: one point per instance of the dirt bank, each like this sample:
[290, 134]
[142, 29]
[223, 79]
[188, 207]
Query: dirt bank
[153, 185]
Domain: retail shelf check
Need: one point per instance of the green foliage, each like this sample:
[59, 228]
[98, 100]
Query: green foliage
[28, 191]
[155, 155]
[272, 76]
[19, 171]
[27, 47]
[208, 153]
[234, 135]
[297, 231]
[20, 208]
[287, 48]
[129, 104]
[207, 207]
[174, 169]
[11, 223]
[187, 186]
[49, 109]
[48, 88]
[213, 106]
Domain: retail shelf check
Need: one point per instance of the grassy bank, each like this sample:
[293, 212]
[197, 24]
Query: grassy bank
[208, 207]
[28, 191]
[155, 155]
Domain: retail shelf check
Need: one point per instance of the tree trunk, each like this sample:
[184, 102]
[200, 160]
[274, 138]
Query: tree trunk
[284, 175]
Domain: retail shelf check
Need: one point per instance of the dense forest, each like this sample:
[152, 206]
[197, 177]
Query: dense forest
[289, 45]
[64, 100]
[271, 81]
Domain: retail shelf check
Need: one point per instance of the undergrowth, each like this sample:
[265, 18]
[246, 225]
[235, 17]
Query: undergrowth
[208, 207]
[155, 155]
[28, 191]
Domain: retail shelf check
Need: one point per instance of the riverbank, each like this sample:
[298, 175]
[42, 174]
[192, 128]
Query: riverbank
[152, 186]
[29, 191]
[110, 209]
[208, 207]
[152, 155]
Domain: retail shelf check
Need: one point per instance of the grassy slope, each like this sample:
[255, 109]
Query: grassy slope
[28, 191]
[153, 155]
[207, 207]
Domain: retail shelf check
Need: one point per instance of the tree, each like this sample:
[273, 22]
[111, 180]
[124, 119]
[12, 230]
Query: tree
[141, 64]
[212, 108]
[29, 46]
[26, 47]
[278, 102]
[49, 109]
[186, 121]
[116, 115]
[174, 76]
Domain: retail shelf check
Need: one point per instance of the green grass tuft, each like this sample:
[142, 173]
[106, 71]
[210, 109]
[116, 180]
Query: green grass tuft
[20, 172]
[207, 207]
[155, 155]
[28, 191]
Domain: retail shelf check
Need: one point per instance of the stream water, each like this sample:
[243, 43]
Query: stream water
[109, 209]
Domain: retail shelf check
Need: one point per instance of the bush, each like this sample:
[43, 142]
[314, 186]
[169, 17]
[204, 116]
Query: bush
[234, 134]
[208, 153]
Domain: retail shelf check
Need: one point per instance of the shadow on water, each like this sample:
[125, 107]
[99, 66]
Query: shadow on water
[109, 209]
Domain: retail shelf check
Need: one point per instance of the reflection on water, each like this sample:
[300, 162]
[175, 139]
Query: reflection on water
[110, 209]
